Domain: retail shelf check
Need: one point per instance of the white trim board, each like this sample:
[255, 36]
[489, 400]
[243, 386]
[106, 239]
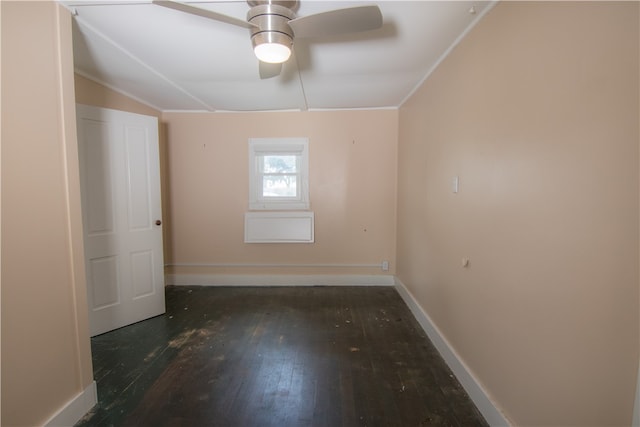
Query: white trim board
[275, 265]
[278, 227]
[75, 409]
[636, 404]
[474, 389]
[278, 280]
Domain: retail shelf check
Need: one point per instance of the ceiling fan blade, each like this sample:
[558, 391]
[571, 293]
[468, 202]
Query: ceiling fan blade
[268, 70]
[339, 21]
[182, 7]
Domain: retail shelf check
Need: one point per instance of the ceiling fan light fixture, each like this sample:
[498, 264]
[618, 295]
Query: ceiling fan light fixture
[273, 53]
[272, 47]
[272, 38]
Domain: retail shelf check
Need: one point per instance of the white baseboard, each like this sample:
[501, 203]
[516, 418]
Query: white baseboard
[75, 409]
[278, 280]
[636, 403]
[474, 389]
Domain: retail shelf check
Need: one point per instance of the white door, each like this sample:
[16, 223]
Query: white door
[121, 209]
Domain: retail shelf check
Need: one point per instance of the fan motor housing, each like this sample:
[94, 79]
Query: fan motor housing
[272, 19]
[289, 4]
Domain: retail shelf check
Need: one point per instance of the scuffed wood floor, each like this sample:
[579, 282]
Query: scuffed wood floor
[276, 356]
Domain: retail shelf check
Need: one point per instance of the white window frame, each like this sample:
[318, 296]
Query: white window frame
[259, 147]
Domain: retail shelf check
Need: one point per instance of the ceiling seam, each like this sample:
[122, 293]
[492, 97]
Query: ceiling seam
[287, 110]
[139, 61]
[304, 94]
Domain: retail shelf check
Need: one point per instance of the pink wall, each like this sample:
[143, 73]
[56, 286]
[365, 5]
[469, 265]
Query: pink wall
[46, 356]
[352, 190]
[537, 112]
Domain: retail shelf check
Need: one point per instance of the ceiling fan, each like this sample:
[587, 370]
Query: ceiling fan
[274, 25]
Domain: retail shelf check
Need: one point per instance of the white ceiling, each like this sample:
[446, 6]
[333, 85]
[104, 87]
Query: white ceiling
[173, 61]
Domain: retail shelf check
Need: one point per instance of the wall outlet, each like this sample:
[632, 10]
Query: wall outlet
[385, 265]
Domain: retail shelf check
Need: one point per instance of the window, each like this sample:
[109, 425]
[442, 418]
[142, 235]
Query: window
[278, 173]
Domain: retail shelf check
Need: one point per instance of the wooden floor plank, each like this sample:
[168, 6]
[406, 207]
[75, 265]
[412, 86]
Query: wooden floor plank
[276, 356]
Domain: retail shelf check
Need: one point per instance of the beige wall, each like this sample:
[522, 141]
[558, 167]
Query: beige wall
[89, 92]
[352, 189]
[46, 359]
[537, 112]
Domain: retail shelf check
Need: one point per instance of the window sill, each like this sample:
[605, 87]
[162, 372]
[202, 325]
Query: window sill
[284, 206]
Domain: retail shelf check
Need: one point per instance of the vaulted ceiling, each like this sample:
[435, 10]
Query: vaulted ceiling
[175, 61]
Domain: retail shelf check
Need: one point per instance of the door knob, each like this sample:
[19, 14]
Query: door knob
[158, 222]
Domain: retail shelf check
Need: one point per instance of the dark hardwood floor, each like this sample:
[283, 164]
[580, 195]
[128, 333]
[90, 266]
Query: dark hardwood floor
[276, 356]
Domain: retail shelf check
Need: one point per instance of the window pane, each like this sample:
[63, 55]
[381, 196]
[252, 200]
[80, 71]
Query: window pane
[279, 186]
[281, 163]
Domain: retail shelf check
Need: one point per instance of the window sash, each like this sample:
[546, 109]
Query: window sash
[279, 177]
[260, 150]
